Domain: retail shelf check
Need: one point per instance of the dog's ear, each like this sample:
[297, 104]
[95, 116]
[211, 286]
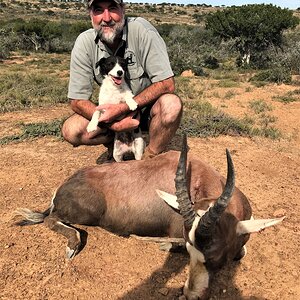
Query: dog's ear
[123, 63]
[101, 64]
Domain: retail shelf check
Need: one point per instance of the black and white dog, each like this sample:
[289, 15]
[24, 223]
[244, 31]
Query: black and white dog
[115, 90]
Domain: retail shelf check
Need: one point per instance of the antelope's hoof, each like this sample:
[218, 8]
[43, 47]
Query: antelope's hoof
[165, 246]
[241, 254]
[70, 253]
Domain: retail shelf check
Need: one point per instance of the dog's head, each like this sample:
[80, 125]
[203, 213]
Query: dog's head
[114, 67]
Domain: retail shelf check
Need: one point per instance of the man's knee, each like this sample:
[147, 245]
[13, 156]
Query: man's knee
[67, 133]
[74, 131]
[171, 108]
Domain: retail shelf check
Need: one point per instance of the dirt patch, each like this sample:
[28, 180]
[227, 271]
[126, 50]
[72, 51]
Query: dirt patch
[11, 121]
[32, 263]
[237, 102]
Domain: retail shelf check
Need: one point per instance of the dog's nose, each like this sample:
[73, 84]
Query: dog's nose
[120, 73]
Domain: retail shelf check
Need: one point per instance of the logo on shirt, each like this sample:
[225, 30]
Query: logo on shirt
[130, 58]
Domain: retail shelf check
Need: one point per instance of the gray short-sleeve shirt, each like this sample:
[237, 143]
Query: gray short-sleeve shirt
[145, 51]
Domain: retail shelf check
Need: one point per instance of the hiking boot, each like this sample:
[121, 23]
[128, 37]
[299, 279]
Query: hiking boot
[107, 156]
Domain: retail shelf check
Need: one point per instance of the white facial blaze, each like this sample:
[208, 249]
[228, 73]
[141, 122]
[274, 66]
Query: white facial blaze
[198, 279]
[115, 69]
[200, 213]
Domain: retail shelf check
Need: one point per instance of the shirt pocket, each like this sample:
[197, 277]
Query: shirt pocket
[134, 72]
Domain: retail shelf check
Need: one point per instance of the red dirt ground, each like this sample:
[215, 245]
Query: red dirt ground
[32, 263]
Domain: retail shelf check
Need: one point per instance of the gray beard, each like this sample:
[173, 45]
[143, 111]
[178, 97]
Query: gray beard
[109, 38]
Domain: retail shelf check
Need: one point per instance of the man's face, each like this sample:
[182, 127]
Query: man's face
[108, 19]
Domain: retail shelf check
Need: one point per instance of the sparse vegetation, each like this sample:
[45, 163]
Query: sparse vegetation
[39, 78]
[261, 120]
[35, 130]
[259, 106]
[186, 90]
[201, 119]
[21, 90]
[289, 97]
[229, 94]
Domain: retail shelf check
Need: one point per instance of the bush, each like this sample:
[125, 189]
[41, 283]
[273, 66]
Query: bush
[277, 74]
[188, 46]
[211, 62]
[19, 91]
[39, 35]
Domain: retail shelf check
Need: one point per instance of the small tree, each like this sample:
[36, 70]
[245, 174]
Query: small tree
[253, 27]
[32, 31]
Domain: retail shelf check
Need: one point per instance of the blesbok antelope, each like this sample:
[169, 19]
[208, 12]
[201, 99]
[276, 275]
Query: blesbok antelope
[126, 198]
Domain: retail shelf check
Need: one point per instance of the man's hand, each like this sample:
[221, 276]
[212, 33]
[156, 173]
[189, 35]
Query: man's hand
[111, 113]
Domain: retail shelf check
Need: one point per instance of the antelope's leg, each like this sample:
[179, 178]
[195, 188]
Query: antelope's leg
[73, 235]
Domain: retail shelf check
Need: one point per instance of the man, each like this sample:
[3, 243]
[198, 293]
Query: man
[150, 78]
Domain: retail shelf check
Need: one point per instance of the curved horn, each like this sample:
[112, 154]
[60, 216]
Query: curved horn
[209, 219]
[183, 199]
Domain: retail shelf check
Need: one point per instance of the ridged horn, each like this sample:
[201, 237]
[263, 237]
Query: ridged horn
[183, 199]
[207, 222]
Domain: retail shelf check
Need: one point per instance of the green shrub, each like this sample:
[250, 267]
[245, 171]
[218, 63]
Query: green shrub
[277, 74]
[19, 90]
[40, 35]
[211, 62]
[228, 83]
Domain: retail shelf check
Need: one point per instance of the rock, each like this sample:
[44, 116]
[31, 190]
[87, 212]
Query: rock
[187, 73]
[279, 213]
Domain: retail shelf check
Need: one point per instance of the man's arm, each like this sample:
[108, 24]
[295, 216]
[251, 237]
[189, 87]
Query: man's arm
[146, 97]
[83, 108]
[154, 91]
[86, 108]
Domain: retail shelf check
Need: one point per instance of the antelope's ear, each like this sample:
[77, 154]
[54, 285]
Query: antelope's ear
[168, 198]
[250, 226]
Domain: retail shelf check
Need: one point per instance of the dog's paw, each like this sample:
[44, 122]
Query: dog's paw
[132, 104]
[91, 127]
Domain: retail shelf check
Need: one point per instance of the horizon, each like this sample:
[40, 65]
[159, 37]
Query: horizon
[290, 4]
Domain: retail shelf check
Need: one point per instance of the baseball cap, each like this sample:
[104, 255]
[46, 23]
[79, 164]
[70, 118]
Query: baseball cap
[90, 2]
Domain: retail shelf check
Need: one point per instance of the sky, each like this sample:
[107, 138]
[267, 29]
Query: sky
[291, 4]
